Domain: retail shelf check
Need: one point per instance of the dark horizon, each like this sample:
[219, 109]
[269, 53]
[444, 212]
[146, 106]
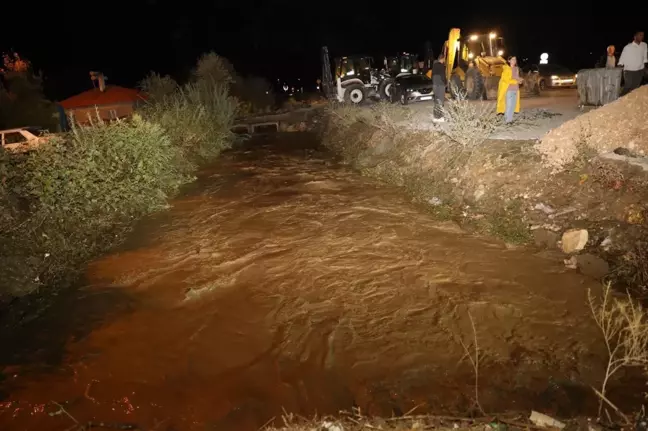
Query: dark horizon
[278, 40]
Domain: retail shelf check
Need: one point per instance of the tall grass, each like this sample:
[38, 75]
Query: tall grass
[197, 117]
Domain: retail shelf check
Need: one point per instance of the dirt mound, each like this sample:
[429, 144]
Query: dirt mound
[622, 123]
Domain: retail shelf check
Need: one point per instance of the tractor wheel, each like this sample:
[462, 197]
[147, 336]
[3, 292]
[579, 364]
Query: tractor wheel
[457, 90]
[355, 93]
[474, 85]
[491, 87]
[385, 89]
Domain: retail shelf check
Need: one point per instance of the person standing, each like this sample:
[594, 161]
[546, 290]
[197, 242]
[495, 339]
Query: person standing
[609, 60]
[508, 91]
[439, 83]
[633, 59]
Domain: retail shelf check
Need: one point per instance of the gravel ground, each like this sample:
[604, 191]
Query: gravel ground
[538, 116]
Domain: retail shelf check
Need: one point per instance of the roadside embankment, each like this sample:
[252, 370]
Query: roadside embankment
[508, 188]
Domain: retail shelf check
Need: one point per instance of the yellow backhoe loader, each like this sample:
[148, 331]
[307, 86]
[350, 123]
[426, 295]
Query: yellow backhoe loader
[474, 65]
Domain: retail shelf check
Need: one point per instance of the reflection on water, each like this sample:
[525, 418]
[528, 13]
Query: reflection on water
[284, 281]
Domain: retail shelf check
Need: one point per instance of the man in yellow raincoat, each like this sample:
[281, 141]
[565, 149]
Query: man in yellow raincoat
[508, 91]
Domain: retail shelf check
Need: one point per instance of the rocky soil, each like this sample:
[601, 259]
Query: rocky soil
[620, 124]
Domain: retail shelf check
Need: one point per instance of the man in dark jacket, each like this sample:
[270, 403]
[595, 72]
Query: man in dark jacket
[439, 83]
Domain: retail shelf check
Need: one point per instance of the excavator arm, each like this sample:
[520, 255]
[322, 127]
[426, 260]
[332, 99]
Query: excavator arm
[452, 47]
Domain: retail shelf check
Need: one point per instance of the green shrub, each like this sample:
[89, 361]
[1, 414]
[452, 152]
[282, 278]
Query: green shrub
[84, 191]
[157, 87]
[7, 210]
[197, 117]
[116, 170]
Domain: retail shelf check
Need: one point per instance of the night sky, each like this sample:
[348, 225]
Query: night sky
[282, 39]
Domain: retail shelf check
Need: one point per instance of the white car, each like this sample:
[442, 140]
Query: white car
[21, 140]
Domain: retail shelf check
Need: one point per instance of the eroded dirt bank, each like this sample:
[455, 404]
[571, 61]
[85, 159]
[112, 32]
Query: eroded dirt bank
[285, 281]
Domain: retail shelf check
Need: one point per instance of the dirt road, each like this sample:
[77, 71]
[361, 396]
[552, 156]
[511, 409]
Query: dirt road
[282, 280]
[562, 102]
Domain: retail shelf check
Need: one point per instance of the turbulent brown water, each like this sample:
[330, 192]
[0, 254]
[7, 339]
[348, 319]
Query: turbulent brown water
[282, 281]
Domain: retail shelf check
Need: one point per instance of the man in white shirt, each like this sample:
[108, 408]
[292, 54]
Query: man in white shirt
[633, 59]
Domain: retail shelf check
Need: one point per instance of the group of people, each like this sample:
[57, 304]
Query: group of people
[508, 92]
[634, 59]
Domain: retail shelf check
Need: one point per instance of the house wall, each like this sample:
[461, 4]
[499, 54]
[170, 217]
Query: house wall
[106, 112]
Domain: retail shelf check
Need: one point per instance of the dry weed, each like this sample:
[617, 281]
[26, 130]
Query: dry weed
[344, 114]
[388, 117]
[624, 326]
[633, 267]
[356, 421]
[468, 123]
[383, 116]
[474, 360]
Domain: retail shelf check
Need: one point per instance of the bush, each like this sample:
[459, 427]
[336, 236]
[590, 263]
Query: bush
[197, 117]
[468, 123]
[157, 87]
[121, 169]
[82, 190]
[252, 94]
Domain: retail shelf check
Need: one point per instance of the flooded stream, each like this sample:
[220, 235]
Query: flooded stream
[282, 281]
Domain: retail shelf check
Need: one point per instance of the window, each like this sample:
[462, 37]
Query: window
[13, 138]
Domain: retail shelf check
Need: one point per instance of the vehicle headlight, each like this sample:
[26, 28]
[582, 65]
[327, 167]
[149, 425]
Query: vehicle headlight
[555, 77]
[500, 52]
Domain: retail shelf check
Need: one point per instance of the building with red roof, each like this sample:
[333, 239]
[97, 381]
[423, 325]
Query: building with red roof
[109, 102]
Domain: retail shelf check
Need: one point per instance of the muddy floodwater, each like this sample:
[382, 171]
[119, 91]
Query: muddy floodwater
[283, 281]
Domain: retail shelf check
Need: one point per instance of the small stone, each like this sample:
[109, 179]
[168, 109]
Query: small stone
[571, 263]
[544, 208]
[606, 244]
[574, 240]
[592, 266]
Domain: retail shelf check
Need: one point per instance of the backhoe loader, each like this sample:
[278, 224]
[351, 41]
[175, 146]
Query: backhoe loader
[474, 65]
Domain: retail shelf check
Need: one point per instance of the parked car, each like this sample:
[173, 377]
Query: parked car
[552, 76]
[23, 139]
[412, 88]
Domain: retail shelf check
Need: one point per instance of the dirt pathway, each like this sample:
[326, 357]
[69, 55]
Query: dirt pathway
[539, 115]
[285, 281]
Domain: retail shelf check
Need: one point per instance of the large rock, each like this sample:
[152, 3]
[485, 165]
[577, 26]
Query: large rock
[574, 240]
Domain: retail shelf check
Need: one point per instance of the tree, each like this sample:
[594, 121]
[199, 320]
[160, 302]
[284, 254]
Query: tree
[22, 102]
